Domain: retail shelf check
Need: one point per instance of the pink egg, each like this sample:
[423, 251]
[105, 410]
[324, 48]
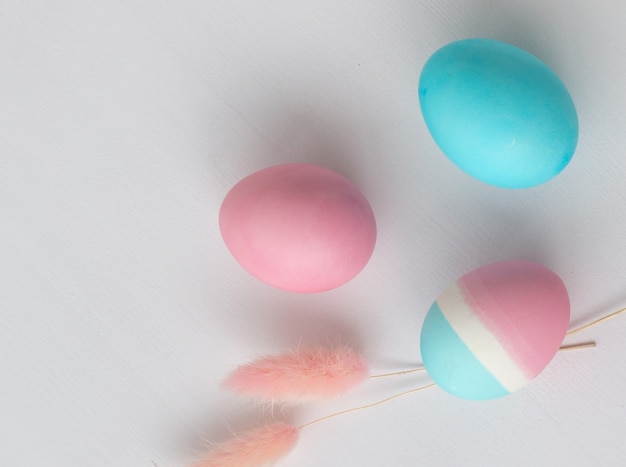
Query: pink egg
[298, 227]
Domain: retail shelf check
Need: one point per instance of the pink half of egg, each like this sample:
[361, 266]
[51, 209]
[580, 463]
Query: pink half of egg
[298, 227]
[525, 306]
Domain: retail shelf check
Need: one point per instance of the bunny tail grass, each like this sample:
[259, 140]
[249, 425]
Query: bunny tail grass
[256, 448]
[300, 375]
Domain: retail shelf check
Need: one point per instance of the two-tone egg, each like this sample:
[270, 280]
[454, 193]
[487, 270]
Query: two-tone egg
[495, 329]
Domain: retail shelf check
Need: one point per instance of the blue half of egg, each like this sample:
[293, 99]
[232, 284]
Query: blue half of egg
[498, 112]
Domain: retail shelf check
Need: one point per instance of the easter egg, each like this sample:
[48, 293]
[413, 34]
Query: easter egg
[497, 112]
[495, 329]
[298, 227]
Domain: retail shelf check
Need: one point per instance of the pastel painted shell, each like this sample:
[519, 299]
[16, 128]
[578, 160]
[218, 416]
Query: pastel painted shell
[495, 329]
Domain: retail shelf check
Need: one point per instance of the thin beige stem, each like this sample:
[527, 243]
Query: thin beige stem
[413, 391]
[598, 321]
[398, 373]
[586, 345]
[369, 406]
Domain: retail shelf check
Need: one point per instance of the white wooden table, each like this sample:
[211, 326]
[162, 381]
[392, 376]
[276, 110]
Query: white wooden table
[124, 123]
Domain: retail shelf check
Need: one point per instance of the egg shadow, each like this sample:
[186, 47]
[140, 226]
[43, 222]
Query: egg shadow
[314, 137]
[521, 24]
[288, 131]
[290, 321]
[510, 234]
[304, 138]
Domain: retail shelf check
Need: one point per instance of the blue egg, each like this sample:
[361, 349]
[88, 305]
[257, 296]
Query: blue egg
[498, 112]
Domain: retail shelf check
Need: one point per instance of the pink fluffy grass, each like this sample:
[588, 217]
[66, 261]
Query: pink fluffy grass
[256, 448]
[300, 375]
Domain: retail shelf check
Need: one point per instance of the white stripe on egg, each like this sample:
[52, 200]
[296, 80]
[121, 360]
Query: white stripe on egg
[479, 340]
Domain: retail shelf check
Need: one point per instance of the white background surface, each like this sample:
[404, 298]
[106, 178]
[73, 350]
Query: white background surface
[124, 123]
